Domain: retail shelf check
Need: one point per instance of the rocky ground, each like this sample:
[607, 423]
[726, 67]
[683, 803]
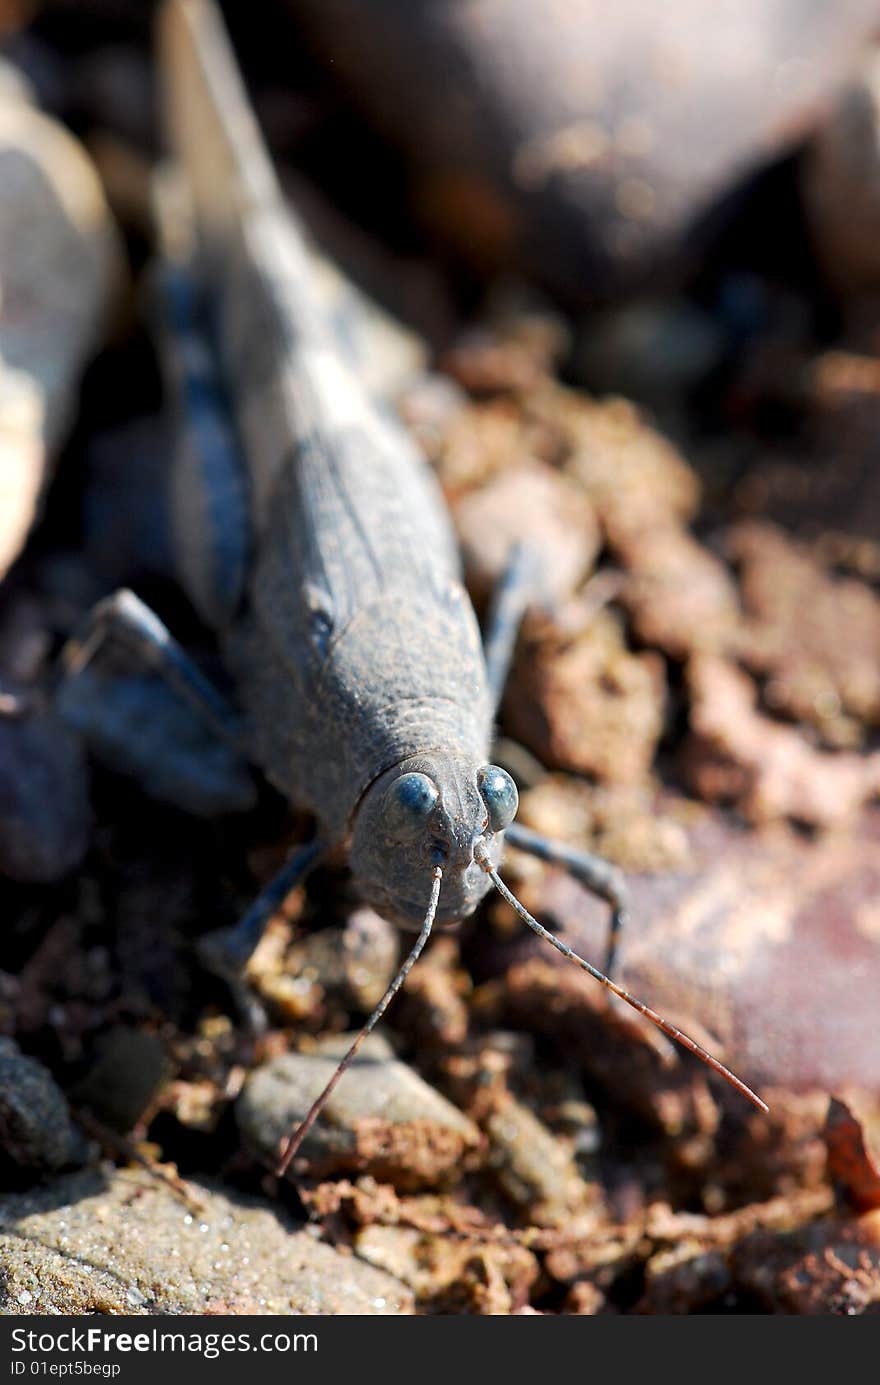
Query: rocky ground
[698, 699]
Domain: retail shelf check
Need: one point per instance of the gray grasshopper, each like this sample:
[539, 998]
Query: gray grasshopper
[322, 555]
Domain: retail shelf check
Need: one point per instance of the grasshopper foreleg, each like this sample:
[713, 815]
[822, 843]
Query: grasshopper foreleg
[226, 951]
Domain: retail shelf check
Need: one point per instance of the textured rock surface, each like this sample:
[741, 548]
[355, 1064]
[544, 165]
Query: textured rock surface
[383, 1119]
[123, 1243]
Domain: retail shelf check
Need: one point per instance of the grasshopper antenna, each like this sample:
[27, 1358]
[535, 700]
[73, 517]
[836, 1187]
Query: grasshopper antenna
[481, 856]
[293, 1141]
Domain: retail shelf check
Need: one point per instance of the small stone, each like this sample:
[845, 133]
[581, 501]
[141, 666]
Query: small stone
[635, 477]
[530, 504]
[813, 635]
[125, 1074]
[582, 702]
[383, 1119]
[534, 1167]
[36, 1131]
[680, 596]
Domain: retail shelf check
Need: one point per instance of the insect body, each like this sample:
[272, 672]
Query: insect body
[355, 653]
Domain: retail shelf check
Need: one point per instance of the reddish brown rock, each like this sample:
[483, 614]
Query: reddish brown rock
[634, 476]
[383, 1119]
[830, 1266]
[815, 637]
[768, 770]
[680, 596]
[581, 701]
[851, 1161]
[530, 504]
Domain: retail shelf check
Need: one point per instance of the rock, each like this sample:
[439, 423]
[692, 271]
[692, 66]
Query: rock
[680, 596]
[581, 701]
[840, 179]
[60, 262]
[814, 636]
[627, 824]
[358, 961]
[124, 1075]
[36, 1132]
[534, 1168]
[743, 948]
[635, 477]
[828, 1267]
[121, 1242]
[768, 770]
[433, 1006]
[599, 148]
[530, 504]
[44, 801]
[693, 1262]
[383, 1119]
[453, 1274]
[852, 1163]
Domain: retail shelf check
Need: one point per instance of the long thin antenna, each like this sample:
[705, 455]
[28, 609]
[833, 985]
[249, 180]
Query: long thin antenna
[482, 858]
[293, 1142]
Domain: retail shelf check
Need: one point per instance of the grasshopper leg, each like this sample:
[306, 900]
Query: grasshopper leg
[598, 875]
[125, 619]
[226, 951]
[516, 590]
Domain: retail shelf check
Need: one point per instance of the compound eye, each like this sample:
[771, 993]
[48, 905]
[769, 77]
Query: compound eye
[409, 802]
[499, 795]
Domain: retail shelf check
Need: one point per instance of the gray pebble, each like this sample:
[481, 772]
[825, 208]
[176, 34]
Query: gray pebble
[127, 1069]
[383, 1119]
[36, 1131]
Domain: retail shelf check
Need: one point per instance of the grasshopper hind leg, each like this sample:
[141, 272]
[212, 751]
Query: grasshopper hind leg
[154, 717]
[126, 620]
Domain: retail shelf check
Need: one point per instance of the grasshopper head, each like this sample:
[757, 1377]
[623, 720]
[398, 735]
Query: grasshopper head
[431, 809]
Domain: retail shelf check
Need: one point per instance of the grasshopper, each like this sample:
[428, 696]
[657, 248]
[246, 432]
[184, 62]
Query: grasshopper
[330, 576]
